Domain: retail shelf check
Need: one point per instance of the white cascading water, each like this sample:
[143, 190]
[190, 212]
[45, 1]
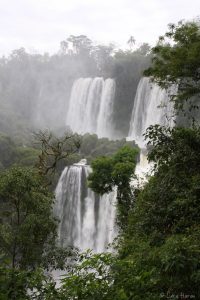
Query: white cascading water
[104, 123]
[91, 106]
[151, 106]
[86, 220]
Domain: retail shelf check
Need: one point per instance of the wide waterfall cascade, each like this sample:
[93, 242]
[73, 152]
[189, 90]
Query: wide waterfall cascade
[91, 106]
[86, 220]
[152, 106]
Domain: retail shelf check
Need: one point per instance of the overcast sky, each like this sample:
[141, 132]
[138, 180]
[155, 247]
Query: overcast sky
[40, 25]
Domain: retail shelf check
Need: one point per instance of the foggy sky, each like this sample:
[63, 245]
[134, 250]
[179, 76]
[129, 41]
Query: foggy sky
[40, 25]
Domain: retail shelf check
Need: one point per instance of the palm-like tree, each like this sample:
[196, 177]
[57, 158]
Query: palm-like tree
[131, 42]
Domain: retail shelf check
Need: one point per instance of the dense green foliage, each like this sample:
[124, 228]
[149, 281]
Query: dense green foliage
[87, 146]
[90, 279]
[26, 218]
[92, 147]
[160, 250]
[14, 153]
[7, 151]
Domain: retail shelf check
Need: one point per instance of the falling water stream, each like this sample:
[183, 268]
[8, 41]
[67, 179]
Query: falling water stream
[86, 220]
[152, 106]
[91, 106]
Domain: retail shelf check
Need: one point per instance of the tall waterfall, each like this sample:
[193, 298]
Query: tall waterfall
[86, 220]
[91, 106]
[151, 106]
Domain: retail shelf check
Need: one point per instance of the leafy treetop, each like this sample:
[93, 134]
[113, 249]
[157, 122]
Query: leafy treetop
[176, 60]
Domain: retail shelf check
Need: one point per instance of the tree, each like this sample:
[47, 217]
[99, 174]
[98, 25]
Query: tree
[115, 172]
[54, 149]
[131, 41]
[82, 45]
[64, 46]
[178, 63]
[8, 151]
[144, 49]
[89, 279]
[27, 223]
[103, 57]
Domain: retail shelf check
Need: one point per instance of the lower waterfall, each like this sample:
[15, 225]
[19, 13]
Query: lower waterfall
[87, 221]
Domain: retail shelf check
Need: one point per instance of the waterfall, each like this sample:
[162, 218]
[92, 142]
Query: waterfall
[151, 106]
[86, 220]
[91, 106]
[104, 124]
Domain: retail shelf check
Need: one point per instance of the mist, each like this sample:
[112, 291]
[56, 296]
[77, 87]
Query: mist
[35, 89]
